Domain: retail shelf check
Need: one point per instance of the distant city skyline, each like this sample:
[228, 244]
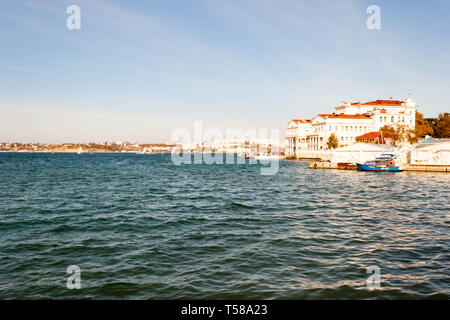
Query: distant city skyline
[137, 70]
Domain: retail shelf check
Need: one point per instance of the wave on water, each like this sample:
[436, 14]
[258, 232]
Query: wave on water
[143, 228]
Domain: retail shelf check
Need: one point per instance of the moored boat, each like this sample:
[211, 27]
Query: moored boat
[387, 162]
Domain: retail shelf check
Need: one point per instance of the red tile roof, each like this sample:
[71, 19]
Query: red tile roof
[395, 103]
[302, 121]
[344, 116]
[369, 135]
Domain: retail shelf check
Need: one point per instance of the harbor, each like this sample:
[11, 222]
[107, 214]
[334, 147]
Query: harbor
[422, 157]
[357, 134]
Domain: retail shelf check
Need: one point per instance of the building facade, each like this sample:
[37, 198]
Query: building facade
[348, 122]
[296, 134]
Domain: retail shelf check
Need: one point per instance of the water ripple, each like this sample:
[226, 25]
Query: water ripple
[141, 228]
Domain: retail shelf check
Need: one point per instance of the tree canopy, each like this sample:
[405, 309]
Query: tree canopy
[442, 129]
[332, 142]
[422, 128]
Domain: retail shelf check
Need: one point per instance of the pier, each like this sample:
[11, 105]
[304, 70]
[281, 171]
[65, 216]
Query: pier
[331, 165]
[407, 167]
[427, 168]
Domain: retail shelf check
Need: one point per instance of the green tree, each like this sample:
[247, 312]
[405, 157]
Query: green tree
[332, 142]
[443, 126]
[422, 128]
[387, 129]
[432, 123]
[398, 134]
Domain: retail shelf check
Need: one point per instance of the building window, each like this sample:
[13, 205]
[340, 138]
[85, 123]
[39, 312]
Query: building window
[392, 119]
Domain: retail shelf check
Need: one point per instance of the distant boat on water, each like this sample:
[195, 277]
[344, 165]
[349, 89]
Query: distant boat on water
[265, 156]
[145, 151]
[80, 150]
[384, 163]
[245, 155]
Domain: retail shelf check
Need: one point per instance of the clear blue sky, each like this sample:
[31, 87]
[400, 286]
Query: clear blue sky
[139, 69]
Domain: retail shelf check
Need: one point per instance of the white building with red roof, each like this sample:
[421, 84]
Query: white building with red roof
[346, 128]
[348, 122]
[297, 132]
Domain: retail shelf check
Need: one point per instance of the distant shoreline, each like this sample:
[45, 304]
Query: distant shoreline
[76, 151]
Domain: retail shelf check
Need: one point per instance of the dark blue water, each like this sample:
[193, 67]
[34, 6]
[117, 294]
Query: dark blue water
[140, 227]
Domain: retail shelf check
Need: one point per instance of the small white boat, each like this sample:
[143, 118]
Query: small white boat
[145, 151]
[266, 156]
[80, 151]
[245, 155]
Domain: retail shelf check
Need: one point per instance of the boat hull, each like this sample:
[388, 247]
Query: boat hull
[363, 167]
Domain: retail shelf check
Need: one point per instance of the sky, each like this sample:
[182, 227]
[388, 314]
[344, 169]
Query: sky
[139, 69]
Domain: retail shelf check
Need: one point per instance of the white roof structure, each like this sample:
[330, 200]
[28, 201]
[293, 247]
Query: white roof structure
[360, 152]
[366, 147]
[433, 154]
[440, 146]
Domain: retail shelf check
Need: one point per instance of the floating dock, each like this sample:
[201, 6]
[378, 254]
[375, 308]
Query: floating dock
[427, 168]
[330, 165]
